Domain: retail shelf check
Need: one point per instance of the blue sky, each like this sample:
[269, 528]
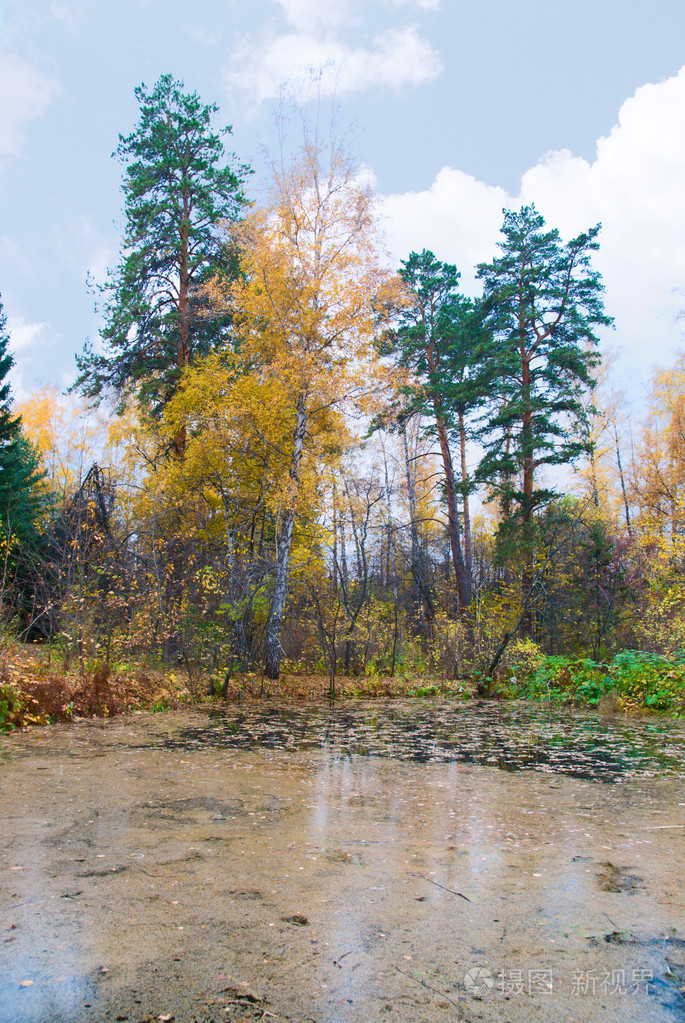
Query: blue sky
[461, 109]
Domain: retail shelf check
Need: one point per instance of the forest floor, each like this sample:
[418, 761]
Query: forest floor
[197, 867]
[46, 691]
[37, 689]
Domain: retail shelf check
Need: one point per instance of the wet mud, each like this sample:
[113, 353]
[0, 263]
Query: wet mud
[362, 863]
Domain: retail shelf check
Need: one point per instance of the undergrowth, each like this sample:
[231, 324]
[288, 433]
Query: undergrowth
[633, 681]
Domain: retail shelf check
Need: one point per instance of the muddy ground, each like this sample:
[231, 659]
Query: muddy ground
[150, 869]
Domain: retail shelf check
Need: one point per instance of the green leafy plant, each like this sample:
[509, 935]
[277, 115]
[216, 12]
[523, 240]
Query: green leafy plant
[650, 680]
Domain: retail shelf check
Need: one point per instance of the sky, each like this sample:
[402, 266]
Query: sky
[461, 109]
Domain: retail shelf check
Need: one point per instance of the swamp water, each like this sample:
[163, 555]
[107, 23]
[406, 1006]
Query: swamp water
[368, 862]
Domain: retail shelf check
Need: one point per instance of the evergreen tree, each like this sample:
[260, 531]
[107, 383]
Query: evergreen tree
[179, 188]
[438, 338]
[544, 305]
[22, 500]
[9, 424]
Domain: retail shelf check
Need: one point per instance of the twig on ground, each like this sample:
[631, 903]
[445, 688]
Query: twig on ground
[438, 885]
[429, 987]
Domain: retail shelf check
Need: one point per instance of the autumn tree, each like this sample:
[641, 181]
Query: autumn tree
[544, 307]
[179, 187]
[305, 308]
[659, 474]
[69, 436]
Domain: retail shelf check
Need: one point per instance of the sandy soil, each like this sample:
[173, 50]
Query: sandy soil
[146, 878]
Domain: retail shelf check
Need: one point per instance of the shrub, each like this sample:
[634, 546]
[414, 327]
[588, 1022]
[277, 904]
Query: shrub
[523, 658]
[560, 679]
[639, 679]
[649, 680]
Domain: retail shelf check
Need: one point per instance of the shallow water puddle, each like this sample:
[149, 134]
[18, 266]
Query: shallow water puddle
[366, 862]
[511, 737]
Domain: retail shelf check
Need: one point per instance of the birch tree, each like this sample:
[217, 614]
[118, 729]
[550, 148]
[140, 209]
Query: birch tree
[306, 309]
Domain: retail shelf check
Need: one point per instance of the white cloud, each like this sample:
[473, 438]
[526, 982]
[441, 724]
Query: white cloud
[61, 12]
[29, 340]
[308, 15]
[421, 5]
[25, 336]
[457, 218]
[635, 187]
[396, 59]
[86, 247]
[26, 93]
[12, 253]
[205, 37]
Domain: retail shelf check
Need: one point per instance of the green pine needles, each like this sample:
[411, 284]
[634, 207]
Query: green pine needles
[180, 189]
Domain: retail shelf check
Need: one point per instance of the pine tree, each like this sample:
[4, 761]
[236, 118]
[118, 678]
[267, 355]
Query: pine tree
[179, 189]
[544, 305]
[438, 338]
[22, 500]
[9, 424]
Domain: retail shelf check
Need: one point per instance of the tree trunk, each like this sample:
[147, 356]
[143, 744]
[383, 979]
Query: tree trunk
[392, 563]
[272, 644]
[463, 580]
[335, 539]
[344, 579]
[355, 533]
[183, 350]
[527, 507]
[624, 492]
[468, 549]
[417, 563]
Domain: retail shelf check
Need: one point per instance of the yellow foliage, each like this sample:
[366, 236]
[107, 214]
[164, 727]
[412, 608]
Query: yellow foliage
[71, 436]
[659, 477]
[312, 288]
[66, 432]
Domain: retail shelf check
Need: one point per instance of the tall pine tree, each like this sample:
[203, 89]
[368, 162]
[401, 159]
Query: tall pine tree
[179, 187]
[544, 305]
[438, 337]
